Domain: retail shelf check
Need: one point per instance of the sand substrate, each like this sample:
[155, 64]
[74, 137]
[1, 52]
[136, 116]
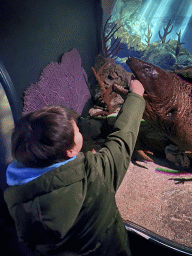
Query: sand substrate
[148, 198]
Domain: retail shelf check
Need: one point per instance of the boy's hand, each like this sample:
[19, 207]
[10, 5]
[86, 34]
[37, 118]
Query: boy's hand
[137, 87]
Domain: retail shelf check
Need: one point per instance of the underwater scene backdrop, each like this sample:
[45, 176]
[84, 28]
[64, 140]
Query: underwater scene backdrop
[156, 31]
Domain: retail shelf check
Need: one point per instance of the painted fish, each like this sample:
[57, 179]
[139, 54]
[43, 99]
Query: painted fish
[168, 101]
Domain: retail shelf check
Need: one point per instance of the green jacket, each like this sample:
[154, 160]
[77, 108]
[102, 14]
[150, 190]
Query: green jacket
[71, 210]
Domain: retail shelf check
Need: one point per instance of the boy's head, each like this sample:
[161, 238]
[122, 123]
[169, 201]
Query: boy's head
[46, 136]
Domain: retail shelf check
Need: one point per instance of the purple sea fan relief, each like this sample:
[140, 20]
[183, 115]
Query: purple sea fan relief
[62, 83]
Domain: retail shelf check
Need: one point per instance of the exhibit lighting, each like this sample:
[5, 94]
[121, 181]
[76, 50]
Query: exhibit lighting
[146, 9]
[159, 14]
[187, 17]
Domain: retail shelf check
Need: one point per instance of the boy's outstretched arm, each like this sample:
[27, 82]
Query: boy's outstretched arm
[113, 159]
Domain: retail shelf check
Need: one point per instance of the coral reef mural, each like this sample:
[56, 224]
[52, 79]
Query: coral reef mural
[155, 31]
[166, 32]
[149, 35]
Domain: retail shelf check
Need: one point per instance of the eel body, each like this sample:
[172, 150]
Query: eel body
[168, 101]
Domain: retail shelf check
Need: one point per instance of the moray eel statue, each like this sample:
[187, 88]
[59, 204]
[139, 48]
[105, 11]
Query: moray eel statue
[168, 102]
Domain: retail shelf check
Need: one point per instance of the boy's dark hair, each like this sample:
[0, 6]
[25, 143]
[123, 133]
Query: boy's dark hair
[41, 138]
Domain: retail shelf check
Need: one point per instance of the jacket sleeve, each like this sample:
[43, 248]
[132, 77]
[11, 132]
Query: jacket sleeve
[113, 159]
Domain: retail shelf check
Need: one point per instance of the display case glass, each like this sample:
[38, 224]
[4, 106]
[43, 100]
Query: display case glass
[156, 195]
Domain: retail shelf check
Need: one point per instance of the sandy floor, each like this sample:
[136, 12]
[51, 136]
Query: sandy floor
[148, 198]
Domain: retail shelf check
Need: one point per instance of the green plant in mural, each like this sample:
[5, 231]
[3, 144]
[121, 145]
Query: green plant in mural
[166, 32]
[149, 35]
[113, 50]
[177, 50]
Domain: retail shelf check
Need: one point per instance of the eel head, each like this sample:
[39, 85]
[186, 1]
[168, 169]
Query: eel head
[155, 80]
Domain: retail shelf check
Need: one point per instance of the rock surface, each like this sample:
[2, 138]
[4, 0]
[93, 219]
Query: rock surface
[164, 55]
[110, 73]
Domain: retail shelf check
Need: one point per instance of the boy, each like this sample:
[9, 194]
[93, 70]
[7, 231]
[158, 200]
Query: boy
[63, 201]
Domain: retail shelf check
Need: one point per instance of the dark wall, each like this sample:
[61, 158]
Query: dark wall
[35, 32]
[107, 6]
[32, 34]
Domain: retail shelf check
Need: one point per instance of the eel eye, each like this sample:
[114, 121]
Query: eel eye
[147, 69]
[171, 112]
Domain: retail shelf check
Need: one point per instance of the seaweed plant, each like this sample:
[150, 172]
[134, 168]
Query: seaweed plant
[115, 47]
[107, 94]
[166, 32]
[177, 49]
[149, 35]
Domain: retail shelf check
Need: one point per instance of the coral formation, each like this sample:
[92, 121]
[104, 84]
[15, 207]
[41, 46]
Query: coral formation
[107, 94]
[114, 48]
[106, 74]
[164, 55]
[62, 83]
[177, 50]
[149, 35]
[130, 40]
[109, 75]
[166, 32]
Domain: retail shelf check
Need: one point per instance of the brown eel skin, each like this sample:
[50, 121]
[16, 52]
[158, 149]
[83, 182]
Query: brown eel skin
[168, 101]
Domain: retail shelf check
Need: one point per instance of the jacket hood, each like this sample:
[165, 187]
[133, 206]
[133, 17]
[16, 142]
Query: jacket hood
[18, 174]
